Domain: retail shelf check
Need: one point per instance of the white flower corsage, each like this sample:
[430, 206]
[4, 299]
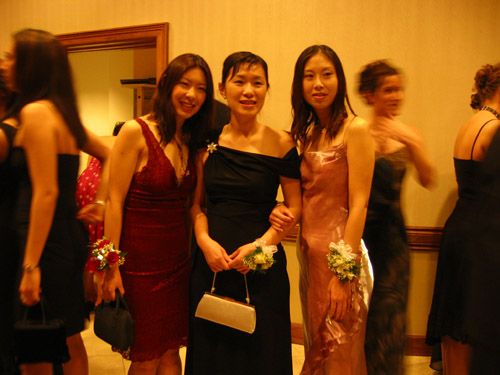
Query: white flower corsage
[342, 261]
[212, 147]
[261, 258]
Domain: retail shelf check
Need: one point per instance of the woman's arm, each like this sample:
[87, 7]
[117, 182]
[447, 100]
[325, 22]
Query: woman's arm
[292, 193]
[361, 162]
[410, 137]
[125, 159]
[215, 255]
[93, 213]
[39, 141]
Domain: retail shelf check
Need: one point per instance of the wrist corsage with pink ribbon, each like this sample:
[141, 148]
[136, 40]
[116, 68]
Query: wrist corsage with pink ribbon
[342, 261]
[261, 258]
[104, 255]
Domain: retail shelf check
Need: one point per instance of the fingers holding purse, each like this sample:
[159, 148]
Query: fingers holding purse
[29, 290]
[112, 281]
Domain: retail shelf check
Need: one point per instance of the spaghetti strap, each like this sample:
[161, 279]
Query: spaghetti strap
[477, 136]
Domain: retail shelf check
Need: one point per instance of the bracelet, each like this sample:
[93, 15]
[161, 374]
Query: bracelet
[29, 267]
[99, 202]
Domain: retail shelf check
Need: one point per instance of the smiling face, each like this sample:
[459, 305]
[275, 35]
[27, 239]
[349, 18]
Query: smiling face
[320, 84]
[246, 90]
[388, 96]
[188, 94]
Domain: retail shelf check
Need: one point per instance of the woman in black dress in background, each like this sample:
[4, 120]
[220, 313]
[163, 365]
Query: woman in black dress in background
[241, 174]
[453, 276]
[45, 158]
[9, 255]
[396, 145]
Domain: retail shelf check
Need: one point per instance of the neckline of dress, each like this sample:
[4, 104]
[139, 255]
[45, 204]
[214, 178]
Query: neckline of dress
[338, 145]
[254, 153]
[392, 152]
[162, 151]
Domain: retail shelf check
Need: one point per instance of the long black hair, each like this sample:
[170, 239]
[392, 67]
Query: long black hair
[163, 111]
[304, 115]
[42, 72]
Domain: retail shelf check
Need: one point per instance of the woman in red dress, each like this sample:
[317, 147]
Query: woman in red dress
[152, 176]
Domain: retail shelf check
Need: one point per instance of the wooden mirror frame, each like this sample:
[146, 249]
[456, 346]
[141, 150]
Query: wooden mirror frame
[143, 36]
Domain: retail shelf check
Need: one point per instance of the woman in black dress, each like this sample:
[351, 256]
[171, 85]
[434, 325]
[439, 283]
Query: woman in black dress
[396, 145]
[447, 323]
[45, 158]
[9, 255]
[240, 173]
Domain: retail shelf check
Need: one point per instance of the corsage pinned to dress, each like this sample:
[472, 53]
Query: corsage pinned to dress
[261, 258]
[211, 147]
[342, 261]
[104, 255]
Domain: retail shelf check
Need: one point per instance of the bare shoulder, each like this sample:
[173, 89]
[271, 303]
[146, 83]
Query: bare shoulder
[356, 127]
[281, 140]
[130, 135]
[39, 112]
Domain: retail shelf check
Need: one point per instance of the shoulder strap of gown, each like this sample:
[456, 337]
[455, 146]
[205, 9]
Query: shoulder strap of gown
[477, 136]
[151, 140]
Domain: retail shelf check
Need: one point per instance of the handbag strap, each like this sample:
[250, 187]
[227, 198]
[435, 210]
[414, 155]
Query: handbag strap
[246, 287]
[43, 306]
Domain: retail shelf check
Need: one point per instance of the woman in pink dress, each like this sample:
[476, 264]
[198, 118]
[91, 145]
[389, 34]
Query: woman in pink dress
[152, 176]
[337, 168]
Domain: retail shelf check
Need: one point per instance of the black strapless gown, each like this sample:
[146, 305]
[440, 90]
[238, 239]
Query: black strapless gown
[65, 251]
[9, 257]
[241, 190]
[385, 238]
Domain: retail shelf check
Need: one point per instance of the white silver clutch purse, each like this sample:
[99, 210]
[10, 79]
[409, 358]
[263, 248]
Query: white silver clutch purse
[227, 311]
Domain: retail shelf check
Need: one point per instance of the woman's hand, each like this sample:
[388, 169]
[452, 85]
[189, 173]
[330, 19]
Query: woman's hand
[91, 214]
[216, 257]
[281, 218]
[340, 298]
[29, 290]
[112, 281]
[237, 258]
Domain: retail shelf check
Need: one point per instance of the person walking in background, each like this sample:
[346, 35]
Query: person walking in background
[45, 158]
[9, 253]
[396, 145]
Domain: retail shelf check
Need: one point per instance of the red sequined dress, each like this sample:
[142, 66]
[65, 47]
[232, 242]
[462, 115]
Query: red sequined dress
[157, 267]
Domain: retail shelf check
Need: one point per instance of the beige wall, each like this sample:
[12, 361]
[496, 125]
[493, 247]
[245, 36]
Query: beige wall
[438, 43]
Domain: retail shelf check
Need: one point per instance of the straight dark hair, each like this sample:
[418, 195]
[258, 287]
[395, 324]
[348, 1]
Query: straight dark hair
[163, 111]
[42, 72]
[232, 65]
[303, 113]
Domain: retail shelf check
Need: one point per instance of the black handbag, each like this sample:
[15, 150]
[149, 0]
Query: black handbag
[113, 323]
[39, 339]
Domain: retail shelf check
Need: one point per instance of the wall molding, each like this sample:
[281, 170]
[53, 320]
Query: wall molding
[419, 238]
[415, 345]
